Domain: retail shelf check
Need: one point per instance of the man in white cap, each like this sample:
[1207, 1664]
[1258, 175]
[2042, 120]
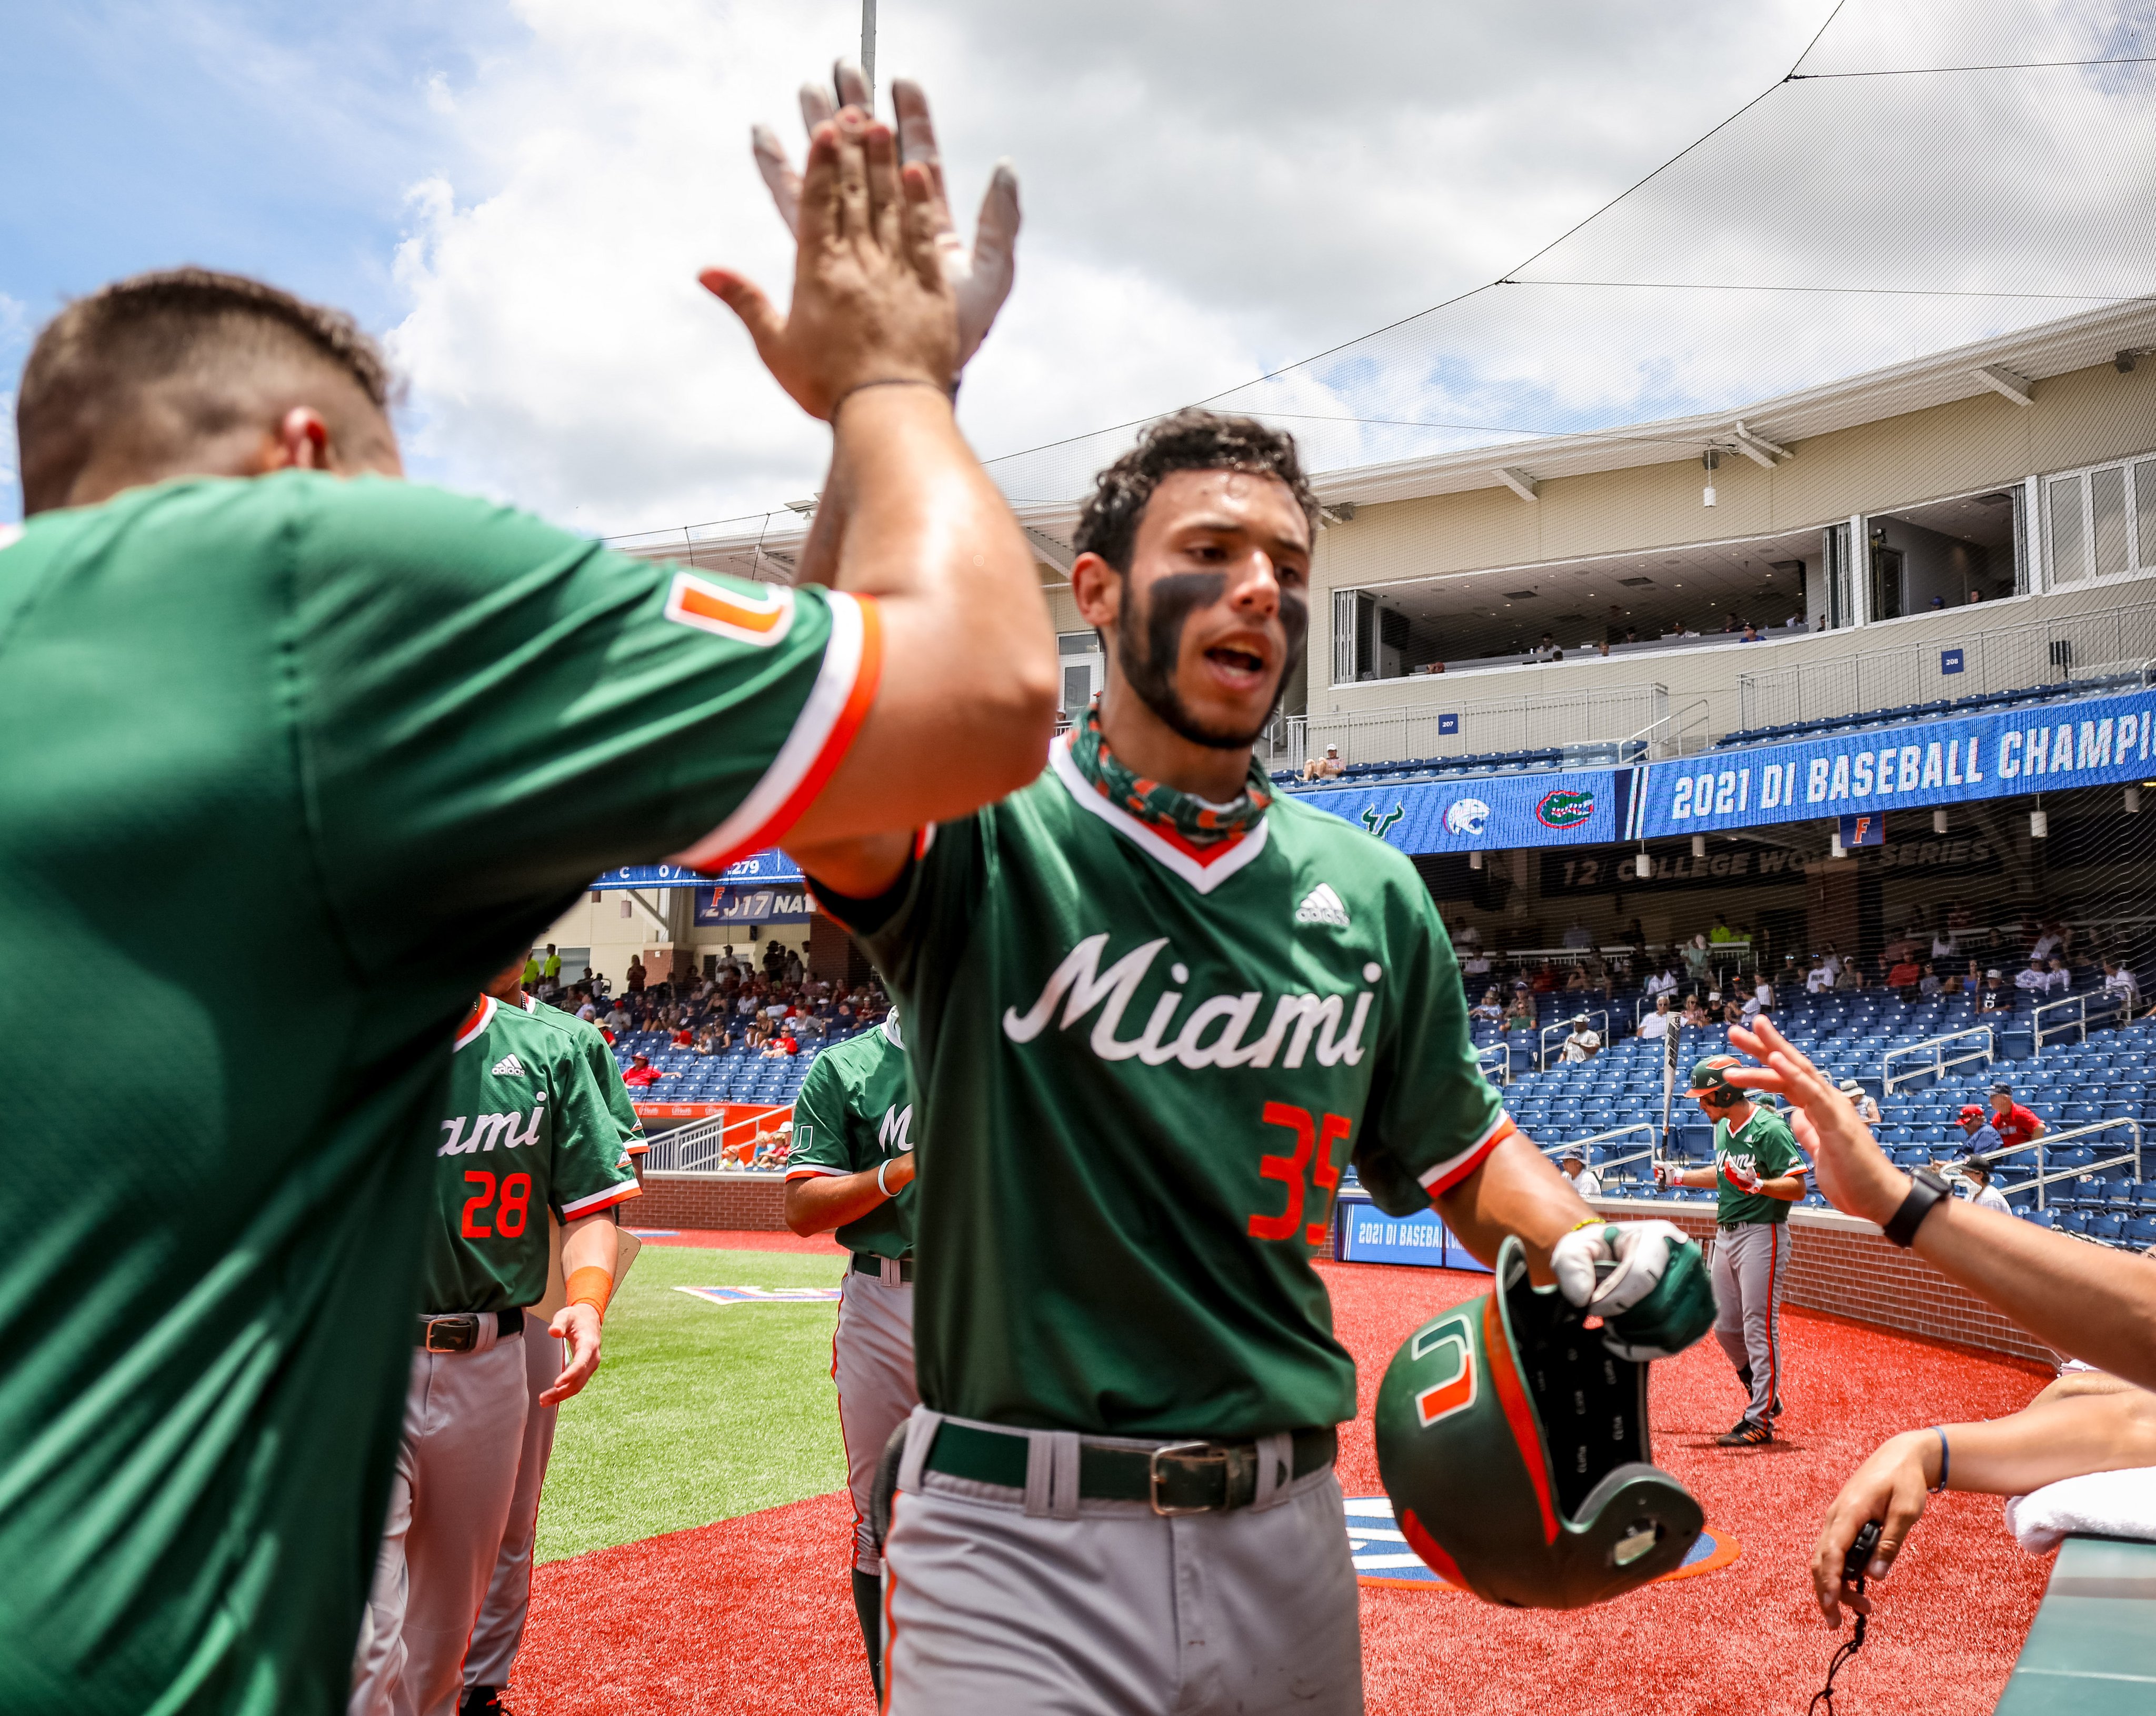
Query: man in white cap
[1583, 1045]
[1584, 1179]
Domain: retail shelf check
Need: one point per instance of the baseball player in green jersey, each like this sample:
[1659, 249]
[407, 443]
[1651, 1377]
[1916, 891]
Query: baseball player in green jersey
[312, 719]
[851, 1169]
[1152, 1012]
[498, 1631]
[527, 1133]
[1758, 1173]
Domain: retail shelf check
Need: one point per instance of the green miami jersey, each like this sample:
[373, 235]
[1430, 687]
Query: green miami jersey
[526, 1130]
[1139, 1068]
[344, 748]
[854, 1112]
[1764, 1145]
[606, 1074]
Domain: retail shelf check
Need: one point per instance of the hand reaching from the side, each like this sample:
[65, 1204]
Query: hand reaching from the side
[981, 279]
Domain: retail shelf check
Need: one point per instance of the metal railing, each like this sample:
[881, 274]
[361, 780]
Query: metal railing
[1542, 1044]
[2051, 1141]
[1549, 721]
[704, 1146]
[1564, 1025]
[2109, 1002]
[1643, 747]
[1504, 1052]
[1586, 1146]
[1940, 1062]
[2104, 643]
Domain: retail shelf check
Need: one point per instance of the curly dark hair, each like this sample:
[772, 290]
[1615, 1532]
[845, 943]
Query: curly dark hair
[1191, 440]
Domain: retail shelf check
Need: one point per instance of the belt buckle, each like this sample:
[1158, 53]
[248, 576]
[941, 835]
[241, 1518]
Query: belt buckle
[1188, 1453]
[465, 1324]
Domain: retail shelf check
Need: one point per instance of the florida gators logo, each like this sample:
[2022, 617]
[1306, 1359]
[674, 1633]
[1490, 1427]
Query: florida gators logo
[1565, 809]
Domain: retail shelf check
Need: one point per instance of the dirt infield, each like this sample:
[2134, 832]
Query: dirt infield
[752, 1614]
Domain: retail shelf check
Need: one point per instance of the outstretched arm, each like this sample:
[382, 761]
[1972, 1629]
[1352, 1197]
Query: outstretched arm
[818, 1203]
[2089, 1302]
[2052, 1439]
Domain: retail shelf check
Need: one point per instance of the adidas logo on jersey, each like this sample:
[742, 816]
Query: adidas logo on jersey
[1320, 905]
[509, 1067]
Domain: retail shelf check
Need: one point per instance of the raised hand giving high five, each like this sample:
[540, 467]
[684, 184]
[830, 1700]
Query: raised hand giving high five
[981, 279]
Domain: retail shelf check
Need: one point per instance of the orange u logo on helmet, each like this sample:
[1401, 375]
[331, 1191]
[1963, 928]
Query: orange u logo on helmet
[1456, 1392]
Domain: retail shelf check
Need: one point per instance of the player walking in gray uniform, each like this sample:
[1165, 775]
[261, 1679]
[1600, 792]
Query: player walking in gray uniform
[527, 1130]
[1759, 1171]
[851, 1169]
[499, 1632]
[1151, 1012]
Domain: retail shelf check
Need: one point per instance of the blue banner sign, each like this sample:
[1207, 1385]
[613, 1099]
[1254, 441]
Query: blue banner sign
[1583, 808]
[769, 868]
[2090, 741]
[1869, 829]
[1366, 1234]
[1950, 661]
[752, 905]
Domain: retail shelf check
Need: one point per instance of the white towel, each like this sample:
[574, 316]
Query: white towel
[2102, 1503]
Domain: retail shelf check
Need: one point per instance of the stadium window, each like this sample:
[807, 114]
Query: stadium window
[2100, 522]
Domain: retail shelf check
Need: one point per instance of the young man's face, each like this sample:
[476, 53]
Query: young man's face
[1213, 610]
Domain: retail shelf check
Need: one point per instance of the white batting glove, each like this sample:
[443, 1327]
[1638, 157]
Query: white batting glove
[1639, 1249]
[980, 281]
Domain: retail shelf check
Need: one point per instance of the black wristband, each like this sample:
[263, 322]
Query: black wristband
[1927, 1187]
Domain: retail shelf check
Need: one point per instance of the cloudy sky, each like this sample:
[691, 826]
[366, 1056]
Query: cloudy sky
[517, 197]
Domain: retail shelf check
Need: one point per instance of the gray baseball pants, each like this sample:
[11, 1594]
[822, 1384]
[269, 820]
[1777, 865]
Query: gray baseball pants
[993, 1610]
[872, 1363]
[501, 1629]
[448, 1504]
[1750, 1268]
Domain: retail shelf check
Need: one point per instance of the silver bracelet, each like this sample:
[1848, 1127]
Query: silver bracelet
[880, 1168]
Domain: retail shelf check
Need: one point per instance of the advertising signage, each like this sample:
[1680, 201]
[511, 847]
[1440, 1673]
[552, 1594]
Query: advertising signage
[771, 869]
[2088, 741]
[1577, 807]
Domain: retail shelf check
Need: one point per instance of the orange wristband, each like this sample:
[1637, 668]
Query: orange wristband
[590, 1285]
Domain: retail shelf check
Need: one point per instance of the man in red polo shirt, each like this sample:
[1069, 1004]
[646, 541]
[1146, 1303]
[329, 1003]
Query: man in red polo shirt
[642, 1075]
[2015, 1124]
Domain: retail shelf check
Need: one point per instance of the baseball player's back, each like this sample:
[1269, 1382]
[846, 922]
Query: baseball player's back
[290, 695]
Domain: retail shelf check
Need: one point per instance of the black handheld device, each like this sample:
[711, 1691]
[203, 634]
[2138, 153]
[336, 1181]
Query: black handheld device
[1854, 1564]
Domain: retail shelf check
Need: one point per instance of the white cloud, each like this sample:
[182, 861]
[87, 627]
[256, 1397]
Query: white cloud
[1209, 197]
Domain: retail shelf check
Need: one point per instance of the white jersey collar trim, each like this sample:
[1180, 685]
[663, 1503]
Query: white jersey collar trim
[890, 1029]
[1203, 877]
[476, 1022]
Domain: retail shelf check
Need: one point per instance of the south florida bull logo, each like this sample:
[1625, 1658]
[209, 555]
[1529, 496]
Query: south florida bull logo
[1379, 821]
[1466, 816]
[1565, 809]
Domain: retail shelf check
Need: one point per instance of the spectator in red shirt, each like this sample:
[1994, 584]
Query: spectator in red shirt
[685, 1038]
[1905, 975]
[781, 1045]
[1546, 978]
[642, 1075]
[2015, 1124]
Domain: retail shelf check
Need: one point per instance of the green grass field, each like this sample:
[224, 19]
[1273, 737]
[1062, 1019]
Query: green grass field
[699, 1411]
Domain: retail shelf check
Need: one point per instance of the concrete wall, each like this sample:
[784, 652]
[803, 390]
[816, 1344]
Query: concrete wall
[2079, 419]
[1847, 1268]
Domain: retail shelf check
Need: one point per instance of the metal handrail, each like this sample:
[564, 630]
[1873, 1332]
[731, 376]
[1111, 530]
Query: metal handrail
[2051, 1140]
[1554, 1151]
[1542, 1043]
[1625, 754]
[1987, 1053]
[2109, 998]
[700, 1146]
[1501, 1048]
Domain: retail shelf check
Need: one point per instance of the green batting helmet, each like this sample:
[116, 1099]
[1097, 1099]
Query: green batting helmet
[1515, 1448]
[1711, 1078]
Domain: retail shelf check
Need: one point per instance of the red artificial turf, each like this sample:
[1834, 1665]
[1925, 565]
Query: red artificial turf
[711, 1239]
[754, 1615]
